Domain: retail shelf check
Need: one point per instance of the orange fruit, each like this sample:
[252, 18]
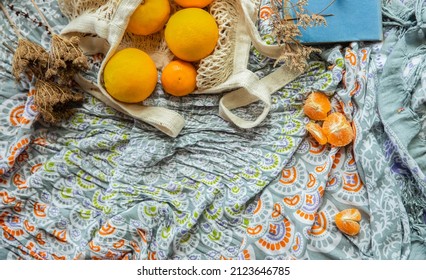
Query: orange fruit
[338, 130]
[130, 75]
[179, 78]
[347, 221]
[317, 106]
[193, 3]
[150, 17]
[316, 131]
[191, 34]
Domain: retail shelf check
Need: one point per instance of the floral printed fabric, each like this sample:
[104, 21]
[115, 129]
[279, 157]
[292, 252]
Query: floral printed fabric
[104, 186]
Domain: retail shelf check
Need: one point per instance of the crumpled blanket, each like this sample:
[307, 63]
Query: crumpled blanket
[104, 186]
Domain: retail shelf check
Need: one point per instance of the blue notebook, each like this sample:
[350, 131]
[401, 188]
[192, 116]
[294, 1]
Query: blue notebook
[352, 20]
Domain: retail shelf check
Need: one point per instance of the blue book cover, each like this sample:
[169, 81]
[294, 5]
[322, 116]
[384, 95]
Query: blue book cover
[351, 20]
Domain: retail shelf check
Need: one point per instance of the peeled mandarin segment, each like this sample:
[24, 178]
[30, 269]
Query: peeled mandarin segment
[179, 78]
[150, 17]
[338, 130]
[191, 34]
[316, 131]
[193, 3]
[347, 221]
[317, 106]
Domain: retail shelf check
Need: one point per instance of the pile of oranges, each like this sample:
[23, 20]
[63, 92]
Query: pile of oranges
[335, 128]
[191, 34]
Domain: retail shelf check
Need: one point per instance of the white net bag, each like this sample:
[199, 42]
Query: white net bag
[224, 71]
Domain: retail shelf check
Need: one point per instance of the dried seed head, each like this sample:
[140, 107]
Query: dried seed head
[66, 59]
[29, 58]
[55, 103]
[286, 31]
[81, 63]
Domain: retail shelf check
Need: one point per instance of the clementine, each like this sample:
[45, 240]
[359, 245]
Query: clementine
[179, 78]
[315, 131]
[347, 221]
[317, 106]
[338, 130]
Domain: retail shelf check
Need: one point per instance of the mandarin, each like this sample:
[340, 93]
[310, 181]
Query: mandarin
[179, 78]
[150, 17]
[315, 131]
[338, 130]
[317, 106]
[347, 221]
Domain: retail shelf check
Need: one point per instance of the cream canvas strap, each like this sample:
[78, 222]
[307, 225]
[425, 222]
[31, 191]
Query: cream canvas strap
[250, 88]
[165, 120]
[250, 14]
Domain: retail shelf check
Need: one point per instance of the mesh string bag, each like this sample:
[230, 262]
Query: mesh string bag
[102, 26]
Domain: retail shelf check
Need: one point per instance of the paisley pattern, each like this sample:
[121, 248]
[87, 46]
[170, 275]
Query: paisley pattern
[104, 186]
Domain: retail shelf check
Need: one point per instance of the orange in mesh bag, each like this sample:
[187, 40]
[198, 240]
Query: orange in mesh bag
[225, 70]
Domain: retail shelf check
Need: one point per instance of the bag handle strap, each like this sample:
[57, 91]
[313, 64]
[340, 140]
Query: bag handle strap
[251, 88]
[250, 12]
[165, 120]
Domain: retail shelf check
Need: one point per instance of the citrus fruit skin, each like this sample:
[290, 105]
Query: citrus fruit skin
[338, 130]
[191, 34]
[150, 17]
[316, 131]
[179, 78]
[193, 3]
[130, 75]
[317, 106]
[347, 221]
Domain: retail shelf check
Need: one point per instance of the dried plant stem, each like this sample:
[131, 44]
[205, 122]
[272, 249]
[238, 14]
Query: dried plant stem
[42, 16]
[12, 23]
[328, 6]
[8, 47]
[286, 30]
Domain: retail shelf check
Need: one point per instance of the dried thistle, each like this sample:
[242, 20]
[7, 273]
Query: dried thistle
[55, 103]
[29, 58]
[286, 26]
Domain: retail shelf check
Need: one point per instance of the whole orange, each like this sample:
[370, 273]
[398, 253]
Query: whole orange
[193, 3]
[191, 34]
[130, 75]
[179, 78]
[150, 17]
